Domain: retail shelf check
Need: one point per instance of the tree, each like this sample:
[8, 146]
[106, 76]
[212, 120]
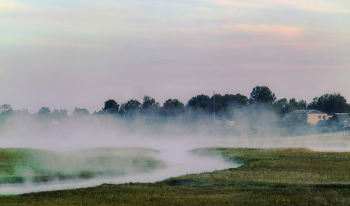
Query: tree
[234, 100]
[172, 107]
[283, 106]
[5, 111]
[280, 106]
[149, 103]
[80, 112]
[330, 103]
[149, 107]
[59, 114]
[262, 95]
[111, 106]
[294, 105]
[219, 103]
[44, 112]
[200, 102]
[130, 108]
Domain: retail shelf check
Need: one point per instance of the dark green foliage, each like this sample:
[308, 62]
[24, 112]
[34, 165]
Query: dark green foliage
[234, 100]
[150, 108]
[130, 108]
[111, 106]
[149, 104]
[172, 107]
[283, 106]
[262, 95]
[330, 103]
[200, 102]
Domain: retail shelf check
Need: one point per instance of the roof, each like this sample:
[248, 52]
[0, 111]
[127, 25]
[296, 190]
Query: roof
[342, 115]
[309, 111]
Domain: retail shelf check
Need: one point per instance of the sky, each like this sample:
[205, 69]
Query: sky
[64, 54]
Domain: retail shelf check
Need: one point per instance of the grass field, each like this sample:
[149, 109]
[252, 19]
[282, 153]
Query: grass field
[268, 177]
[33, 165]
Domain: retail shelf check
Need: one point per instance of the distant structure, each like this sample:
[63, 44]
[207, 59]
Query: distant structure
[220, 122]
[344, 118]
[313, 116]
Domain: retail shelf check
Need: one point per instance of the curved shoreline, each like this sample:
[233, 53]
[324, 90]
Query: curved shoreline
[179, 162]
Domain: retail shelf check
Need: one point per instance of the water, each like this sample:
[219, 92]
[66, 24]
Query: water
[175, 153]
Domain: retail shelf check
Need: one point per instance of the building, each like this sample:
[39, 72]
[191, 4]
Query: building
[312, 116]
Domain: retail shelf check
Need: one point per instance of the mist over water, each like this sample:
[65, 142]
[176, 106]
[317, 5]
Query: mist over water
[175, 153]
[172, 140]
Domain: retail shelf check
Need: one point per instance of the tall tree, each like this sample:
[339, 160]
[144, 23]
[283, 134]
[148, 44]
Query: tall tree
[262, 95]
[111, 106]
[219, 103]
[280, 106]
[200, 102]
[172, 107]
[5, 111]
[130, 108]
[296, 105]
[234, 100]
[149, 107]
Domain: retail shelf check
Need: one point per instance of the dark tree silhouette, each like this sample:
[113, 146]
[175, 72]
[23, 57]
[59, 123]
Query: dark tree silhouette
[111, 106]
[130, 108]
[200, 102]
[330, 103]
[172, 107]
[262, 95]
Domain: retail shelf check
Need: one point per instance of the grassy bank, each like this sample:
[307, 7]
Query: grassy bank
[33, 165]
[275, 166]
[268, 177]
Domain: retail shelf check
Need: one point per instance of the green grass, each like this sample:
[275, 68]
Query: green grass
[277, 166]
[33, 165]
[268, 177]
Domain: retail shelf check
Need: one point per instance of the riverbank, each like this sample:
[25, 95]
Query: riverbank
[268, 177]
[26, 166]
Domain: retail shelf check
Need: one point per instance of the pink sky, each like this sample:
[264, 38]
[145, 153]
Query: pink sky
[67, 54]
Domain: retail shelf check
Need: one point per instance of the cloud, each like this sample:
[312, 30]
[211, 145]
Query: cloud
[286, 31]
[324, 6]
[233, 3]
[12, 6]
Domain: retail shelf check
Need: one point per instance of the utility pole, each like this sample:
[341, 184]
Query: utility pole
[214, 105]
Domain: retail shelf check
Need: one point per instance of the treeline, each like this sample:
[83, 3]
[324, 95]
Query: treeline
[260, 108]
[224, 105]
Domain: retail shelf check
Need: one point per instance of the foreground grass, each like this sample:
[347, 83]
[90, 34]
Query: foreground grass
[33, 165]
[161, 194]
[268, 177]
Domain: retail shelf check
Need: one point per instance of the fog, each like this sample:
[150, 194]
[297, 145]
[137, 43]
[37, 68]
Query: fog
[174, 140]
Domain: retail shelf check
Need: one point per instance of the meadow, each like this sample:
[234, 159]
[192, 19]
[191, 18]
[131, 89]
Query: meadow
[283, 176]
